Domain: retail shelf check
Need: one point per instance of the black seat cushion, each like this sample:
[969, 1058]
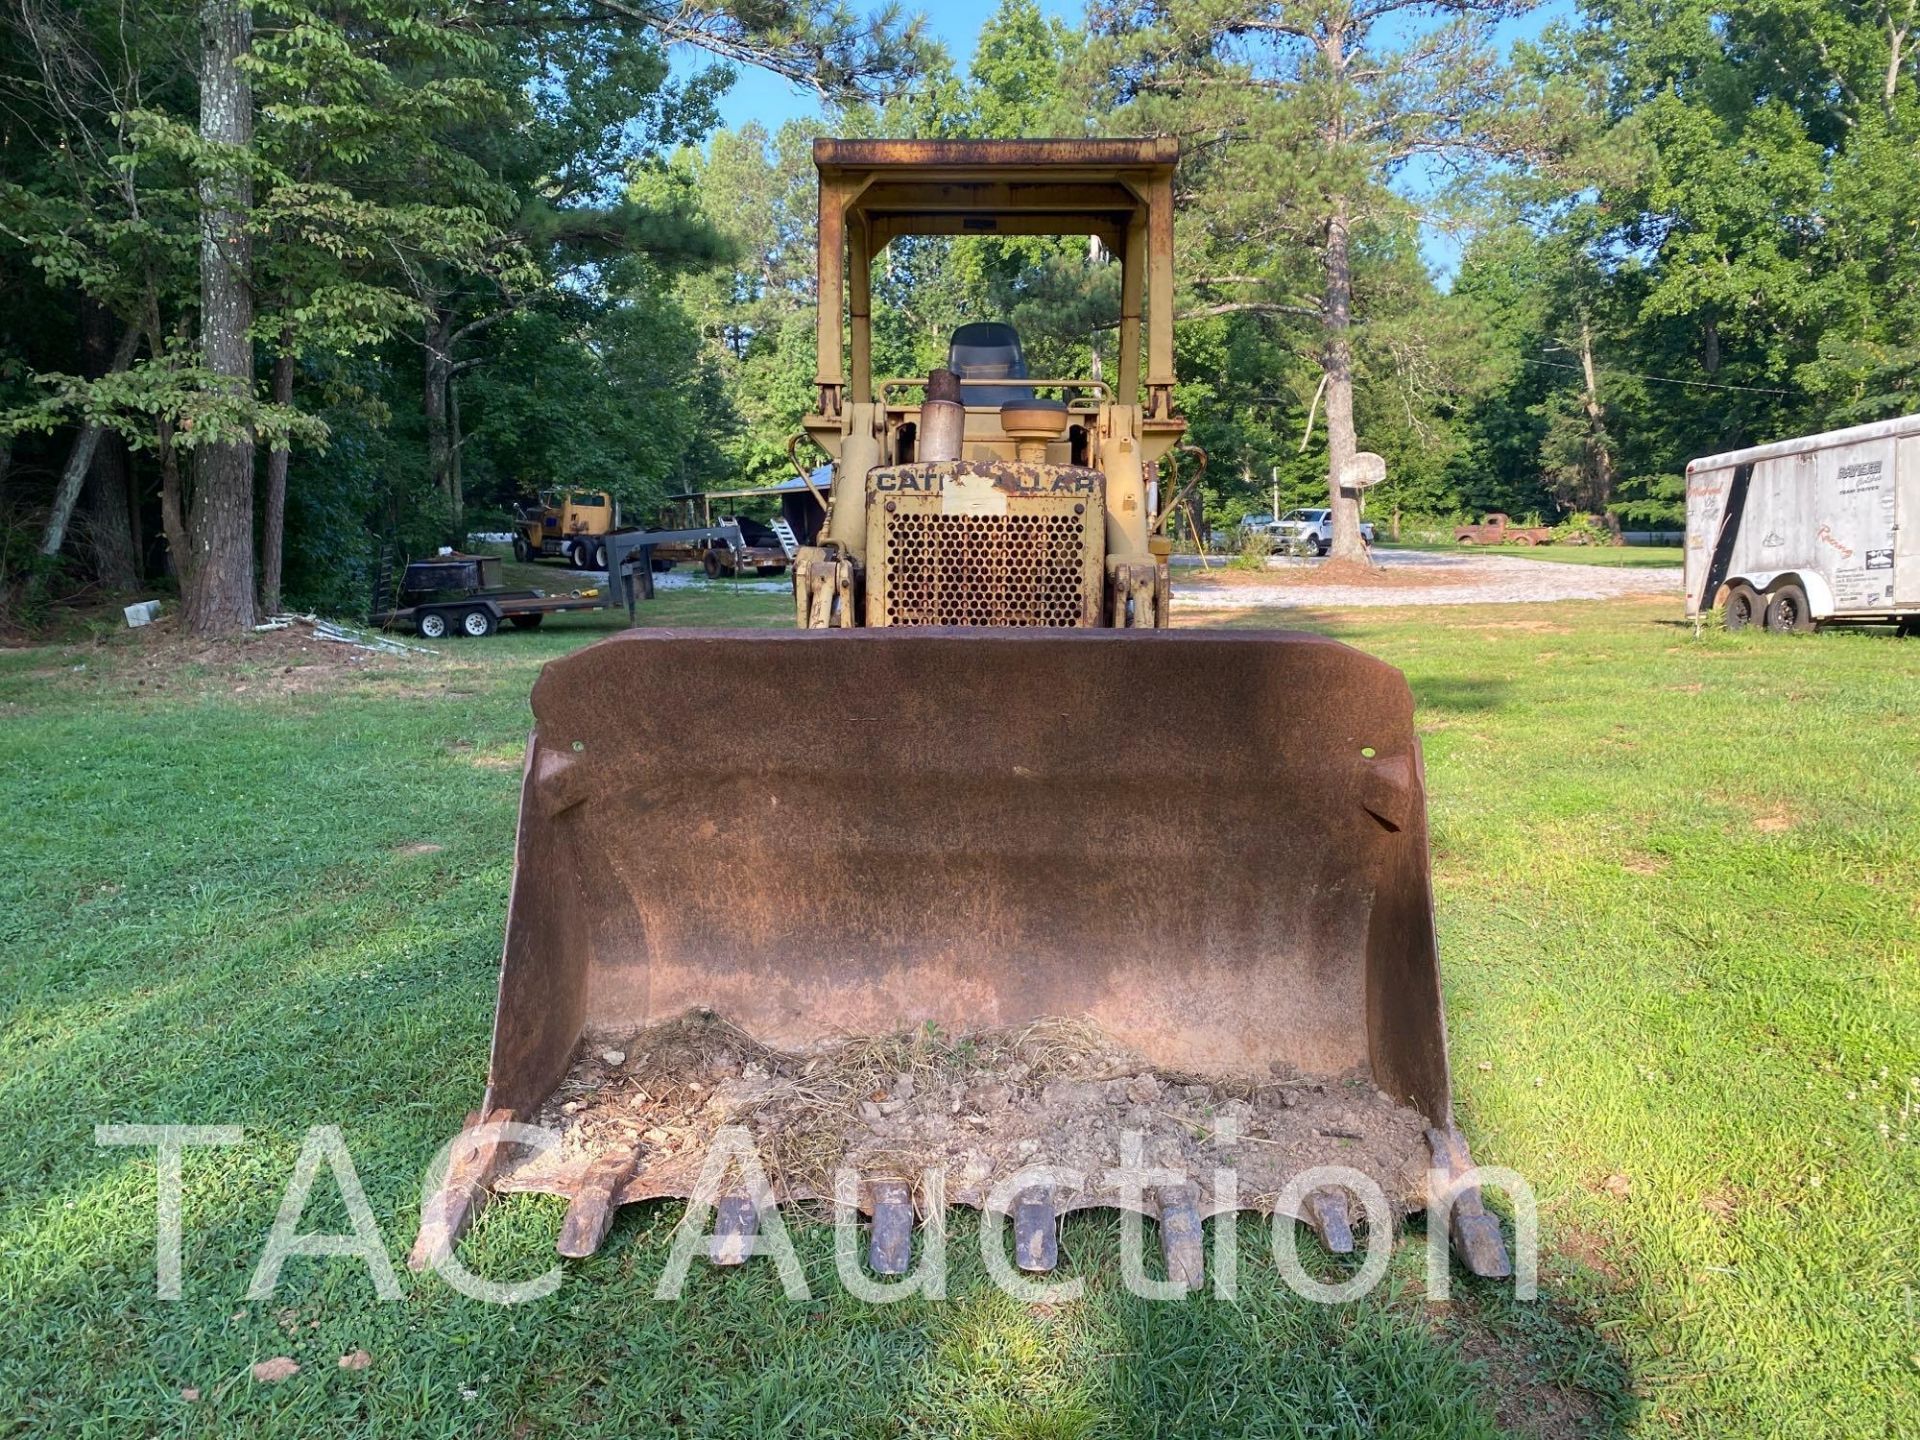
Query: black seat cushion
[988, 350]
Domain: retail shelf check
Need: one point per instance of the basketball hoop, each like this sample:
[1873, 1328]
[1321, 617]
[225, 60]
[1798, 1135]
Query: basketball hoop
[1364, 471]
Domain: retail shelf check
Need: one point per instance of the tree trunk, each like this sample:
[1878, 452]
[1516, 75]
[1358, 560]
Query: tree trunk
[173, 502]
[172, 506]
[1896, 42]
[1336, 363]
[273, 526]
[109, 499]
[80, 460]
[1600, 456]
[136, 520]
[111, 518]
[219, 583]
[439, 384]
[455, 479]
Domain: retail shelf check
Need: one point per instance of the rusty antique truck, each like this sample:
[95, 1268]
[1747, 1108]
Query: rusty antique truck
[1496, 528]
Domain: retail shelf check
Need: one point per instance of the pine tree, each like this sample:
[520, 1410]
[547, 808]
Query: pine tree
[1299, 116]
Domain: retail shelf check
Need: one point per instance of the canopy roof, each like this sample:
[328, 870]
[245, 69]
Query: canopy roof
[874, 191]
[822, 479]
[988, 187]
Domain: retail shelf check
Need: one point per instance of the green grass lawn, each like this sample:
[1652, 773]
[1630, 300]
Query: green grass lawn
[1678, 882]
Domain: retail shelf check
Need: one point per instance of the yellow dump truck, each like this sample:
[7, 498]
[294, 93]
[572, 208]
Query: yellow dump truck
[570, 525]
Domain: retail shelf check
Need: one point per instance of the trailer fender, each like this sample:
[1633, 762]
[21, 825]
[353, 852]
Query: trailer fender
[1819, 593]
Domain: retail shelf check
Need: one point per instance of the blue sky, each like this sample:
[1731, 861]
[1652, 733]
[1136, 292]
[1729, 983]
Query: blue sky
[757, 95]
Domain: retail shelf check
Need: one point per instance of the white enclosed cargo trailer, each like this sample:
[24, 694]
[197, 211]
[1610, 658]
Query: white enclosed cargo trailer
[1820, 530]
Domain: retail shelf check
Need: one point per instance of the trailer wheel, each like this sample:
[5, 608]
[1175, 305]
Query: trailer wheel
[1788, 612]
[526, 622]
[710, 562]
[477, 623]
[432, 625]
[1743, 606]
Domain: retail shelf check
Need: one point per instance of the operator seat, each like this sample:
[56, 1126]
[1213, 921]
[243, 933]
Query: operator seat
[989, 350]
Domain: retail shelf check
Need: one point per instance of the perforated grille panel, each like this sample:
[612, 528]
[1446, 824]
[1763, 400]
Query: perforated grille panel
[1016, 569]
[985, 542]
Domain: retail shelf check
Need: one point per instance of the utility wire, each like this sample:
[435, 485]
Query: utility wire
[1658, 379]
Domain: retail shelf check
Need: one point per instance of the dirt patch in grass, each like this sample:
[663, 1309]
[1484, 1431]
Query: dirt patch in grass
[1521, 1401]
[164, 658]
[510, 757]
[1774, 820]
[1588, 1251]
[1187, 615]
[1327, 572]
[1526, 627]
[1721, 1206]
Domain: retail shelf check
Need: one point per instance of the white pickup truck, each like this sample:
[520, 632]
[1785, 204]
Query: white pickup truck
[1310, 530]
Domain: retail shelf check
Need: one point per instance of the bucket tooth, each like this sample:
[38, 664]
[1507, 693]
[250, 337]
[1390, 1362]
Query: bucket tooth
[736, 1221]
[462, 1195]
[1180, 1235]
[1326, 1212]
[1036, 1247]
[890, 1251]
[590, 1215]
[1474, 1232]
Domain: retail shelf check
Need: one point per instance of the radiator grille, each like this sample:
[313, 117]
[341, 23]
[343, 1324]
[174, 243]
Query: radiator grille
[1016, 569]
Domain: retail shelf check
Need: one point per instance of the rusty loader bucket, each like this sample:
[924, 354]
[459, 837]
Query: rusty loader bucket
[956, 904]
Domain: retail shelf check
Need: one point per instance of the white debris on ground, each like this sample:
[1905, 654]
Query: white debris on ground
[1417, 577]
[342, 634]
[697, 580]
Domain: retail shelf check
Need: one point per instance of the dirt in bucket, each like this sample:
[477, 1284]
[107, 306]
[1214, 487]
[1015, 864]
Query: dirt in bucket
[980, 1107]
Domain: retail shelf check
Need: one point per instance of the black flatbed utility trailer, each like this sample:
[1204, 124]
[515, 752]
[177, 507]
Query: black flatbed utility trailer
[455, 594]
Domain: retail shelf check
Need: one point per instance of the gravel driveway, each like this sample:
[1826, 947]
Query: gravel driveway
[1410, 577]
[1418, 577]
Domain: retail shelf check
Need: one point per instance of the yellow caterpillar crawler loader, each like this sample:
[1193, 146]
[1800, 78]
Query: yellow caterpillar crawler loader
[981, 886]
